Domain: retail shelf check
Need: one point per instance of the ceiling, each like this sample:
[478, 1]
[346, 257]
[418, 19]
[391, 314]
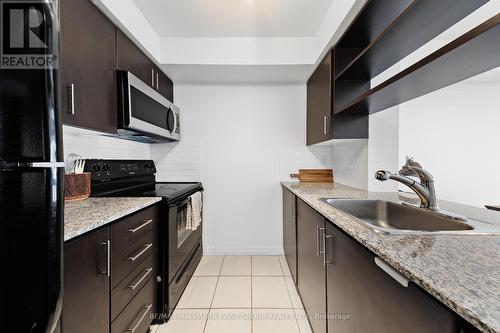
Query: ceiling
[235, 18]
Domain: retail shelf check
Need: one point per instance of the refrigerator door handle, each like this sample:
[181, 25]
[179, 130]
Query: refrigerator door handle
[46, 165]
[72, 99]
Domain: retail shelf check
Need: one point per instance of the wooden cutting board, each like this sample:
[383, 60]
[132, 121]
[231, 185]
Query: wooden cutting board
[314, 175]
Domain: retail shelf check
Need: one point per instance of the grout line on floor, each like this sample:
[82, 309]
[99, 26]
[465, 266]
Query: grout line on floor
[290, 298]
[251, 294]
[281, 267]
[213, 296]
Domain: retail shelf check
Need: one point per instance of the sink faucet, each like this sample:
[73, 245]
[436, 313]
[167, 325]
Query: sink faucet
[425, 189]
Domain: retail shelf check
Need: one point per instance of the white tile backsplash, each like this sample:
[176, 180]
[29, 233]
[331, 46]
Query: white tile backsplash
[350, 162]
[177, 161]
[293, 158]
[90, 144]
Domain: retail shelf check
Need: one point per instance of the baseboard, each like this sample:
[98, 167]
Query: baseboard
[226, 251]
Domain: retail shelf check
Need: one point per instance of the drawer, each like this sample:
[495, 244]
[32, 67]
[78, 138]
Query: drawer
[129, 258]
[131, 285]
[132, 228]
[138, 314]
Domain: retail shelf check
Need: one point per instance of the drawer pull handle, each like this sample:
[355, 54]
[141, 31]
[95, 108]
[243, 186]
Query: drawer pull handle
[107, 244]
[141, 226]
[147, 271]
[146, 247]
[392, 272]
[136, 326]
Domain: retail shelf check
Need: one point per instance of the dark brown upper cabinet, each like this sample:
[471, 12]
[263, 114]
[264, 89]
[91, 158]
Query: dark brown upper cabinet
[322, 125]
[131, 58]
[319, 102]
[88, 90]
[165, 86]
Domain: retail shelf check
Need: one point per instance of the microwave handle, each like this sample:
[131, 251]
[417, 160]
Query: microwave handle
[175, 121]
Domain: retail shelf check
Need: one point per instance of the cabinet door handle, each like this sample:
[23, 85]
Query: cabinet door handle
[146, 273]
[136, 326]
[152, 77]
[107, 272]
[140, 227]
[319, 241]
[392, 272]
[72, 98]
[146, 247]
[328, 253]
[156, 81]
[325, 125]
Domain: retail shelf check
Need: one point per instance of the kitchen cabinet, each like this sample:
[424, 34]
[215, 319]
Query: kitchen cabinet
[311, 268]
[88, 62]
[165, 86]
[323, 94]
[131, 58]
[319, 102]
[110, 277]
[86, 283]
[373, 300]
[345, 288]
[290, 231]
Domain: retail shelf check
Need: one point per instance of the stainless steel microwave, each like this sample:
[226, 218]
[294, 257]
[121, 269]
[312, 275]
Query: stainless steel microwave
[143, 113]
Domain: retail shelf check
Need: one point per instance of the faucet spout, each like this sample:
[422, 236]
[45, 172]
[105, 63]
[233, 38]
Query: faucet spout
[422, 191]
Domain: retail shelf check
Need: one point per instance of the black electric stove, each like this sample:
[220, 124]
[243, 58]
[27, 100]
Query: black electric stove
[179, 249]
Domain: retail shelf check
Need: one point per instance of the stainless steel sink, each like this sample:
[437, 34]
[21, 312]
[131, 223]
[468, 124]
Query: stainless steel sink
[394, 218]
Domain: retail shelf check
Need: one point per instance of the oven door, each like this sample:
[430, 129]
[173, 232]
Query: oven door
[181, 239]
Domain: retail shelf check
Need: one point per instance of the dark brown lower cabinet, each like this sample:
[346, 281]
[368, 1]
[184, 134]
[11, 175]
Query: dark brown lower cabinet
[86, 284]
[364, 298]
[345, 288]
[290, 231]
[311, 269]
[110, 277]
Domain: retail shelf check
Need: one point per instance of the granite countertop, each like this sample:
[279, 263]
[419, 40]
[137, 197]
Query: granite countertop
[463, 272]
[83, 216]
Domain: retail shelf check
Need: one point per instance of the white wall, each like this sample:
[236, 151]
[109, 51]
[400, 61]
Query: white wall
[90, 144]
[240, 141]
[454, 133]
[383, 151]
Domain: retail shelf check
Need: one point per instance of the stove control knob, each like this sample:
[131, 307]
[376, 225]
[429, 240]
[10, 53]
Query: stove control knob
[105, 167]
[96, 167]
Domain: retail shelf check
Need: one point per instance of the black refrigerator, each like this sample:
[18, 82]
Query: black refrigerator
[31, 182]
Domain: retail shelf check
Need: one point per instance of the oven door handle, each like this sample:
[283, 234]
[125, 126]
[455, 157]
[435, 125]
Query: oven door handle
[182, 203]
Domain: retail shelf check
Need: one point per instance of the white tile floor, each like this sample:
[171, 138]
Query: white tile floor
[239, 294]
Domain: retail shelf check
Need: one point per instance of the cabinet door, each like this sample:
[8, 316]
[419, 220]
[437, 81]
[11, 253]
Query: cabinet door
[86, 284]
[165, 86]
[364, 298]
[88, 65]
[131, 58]
[290, 231]
[319, 102]
[311, 271]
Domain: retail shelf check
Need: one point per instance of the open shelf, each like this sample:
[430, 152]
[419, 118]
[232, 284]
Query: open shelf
[397, 28]
[469, 55]
[372, 22]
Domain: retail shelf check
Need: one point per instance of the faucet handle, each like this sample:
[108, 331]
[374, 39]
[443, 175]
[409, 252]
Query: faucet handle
[410, 161]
